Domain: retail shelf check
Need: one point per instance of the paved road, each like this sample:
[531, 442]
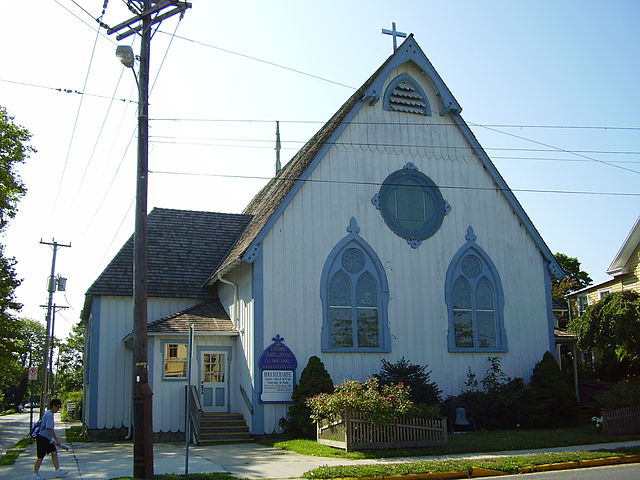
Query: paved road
[619, 472]
[13, 427]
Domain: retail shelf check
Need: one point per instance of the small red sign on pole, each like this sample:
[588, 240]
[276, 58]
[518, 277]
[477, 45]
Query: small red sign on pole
[33, 373]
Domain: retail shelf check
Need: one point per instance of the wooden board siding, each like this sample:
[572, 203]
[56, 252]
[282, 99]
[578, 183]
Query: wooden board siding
[244, 354]
[168, 395]
[112, 383]
[341, 187]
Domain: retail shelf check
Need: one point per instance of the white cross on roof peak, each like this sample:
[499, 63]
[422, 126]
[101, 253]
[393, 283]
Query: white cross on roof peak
[394, 33]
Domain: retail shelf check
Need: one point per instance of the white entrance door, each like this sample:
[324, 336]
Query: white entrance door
[213, 381]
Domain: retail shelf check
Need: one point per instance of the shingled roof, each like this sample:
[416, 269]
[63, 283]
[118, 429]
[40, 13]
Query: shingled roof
[184, 247]
[265, 205]
[267, 201]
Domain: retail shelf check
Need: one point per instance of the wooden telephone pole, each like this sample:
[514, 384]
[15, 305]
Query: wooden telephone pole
[150, 13]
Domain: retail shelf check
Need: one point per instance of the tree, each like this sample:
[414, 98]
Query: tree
[26, 348]
[552, 401]
[13, 151]
[69, 372]
[611, 329]
[575, 279]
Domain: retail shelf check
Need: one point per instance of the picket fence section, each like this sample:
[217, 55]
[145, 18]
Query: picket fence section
[353, 432]
[621, 421]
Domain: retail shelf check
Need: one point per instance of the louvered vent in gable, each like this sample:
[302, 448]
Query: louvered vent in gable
[405, 95]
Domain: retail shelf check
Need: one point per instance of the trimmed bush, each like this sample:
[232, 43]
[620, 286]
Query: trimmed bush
[552, 401]
[621, 395]
[314, 380]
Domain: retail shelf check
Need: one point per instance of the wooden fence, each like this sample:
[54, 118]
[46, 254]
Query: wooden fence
[621, 421]
[353, 432]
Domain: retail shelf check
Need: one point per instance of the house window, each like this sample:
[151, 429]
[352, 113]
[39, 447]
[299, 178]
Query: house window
[404, 94]
[475, 301]
[175, 360]
[583, 304]
[411, 204]
[603, 293]
[354, 295]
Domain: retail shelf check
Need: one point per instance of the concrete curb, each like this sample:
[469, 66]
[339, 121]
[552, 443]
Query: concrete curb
[478, 472]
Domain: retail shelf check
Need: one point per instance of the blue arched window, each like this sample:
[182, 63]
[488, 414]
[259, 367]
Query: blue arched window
[354, 295]
[475, 301]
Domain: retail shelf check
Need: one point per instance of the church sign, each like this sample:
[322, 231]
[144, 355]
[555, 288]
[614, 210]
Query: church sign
[277, 366]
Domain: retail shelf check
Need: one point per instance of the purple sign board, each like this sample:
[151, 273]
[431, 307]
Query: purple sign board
[277, 367]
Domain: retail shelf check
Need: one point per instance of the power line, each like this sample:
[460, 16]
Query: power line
[354, 182]
[164, 139]
[66, 90]
[404, 124]
[267, 62]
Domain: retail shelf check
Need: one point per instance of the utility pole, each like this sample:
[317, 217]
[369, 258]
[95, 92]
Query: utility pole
[51, 287]
[149, 14]
[55, 308]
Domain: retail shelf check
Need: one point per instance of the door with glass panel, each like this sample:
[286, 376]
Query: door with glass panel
[213, 381]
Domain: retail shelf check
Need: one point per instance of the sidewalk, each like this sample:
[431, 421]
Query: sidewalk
[245, 461]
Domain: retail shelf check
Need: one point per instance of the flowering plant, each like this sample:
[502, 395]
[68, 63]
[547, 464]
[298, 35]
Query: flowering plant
[379, 404]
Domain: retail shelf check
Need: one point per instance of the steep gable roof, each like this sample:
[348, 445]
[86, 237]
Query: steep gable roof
[267, 205]
[184, 247]
[619, 264]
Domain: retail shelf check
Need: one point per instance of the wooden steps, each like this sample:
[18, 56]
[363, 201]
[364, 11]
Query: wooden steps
[223, 428]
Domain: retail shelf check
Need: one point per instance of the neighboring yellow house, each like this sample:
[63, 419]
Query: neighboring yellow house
[625, 270]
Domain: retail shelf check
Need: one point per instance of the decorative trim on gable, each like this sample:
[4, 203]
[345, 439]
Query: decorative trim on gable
[409, 51]
[404, 94]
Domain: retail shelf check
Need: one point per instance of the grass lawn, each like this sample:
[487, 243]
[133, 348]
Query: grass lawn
[504, 464]
[10, 456]
[471, 442]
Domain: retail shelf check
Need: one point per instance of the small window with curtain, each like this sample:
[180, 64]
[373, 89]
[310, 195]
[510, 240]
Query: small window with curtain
[175, 360]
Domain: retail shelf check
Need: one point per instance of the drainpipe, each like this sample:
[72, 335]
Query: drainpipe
[234, 317]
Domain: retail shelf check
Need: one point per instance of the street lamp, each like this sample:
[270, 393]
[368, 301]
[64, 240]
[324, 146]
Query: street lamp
[125, 55]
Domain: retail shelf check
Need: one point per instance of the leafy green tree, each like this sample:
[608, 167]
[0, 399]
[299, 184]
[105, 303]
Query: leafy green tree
[13, 151]
[611, 329]
[27, 345]
[70, 371]
[575, 279]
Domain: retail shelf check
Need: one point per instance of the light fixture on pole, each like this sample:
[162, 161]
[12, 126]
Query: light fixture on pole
[125, 55]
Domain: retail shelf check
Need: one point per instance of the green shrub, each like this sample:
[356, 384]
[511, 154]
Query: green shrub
[501, 404]
[423, 390]
[552, 401]
[71, 397]
[379, 403]
[621, 395]
[314, 380]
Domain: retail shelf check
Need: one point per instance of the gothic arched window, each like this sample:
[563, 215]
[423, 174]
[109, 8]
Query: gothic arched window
[354, 295]
[475, 301]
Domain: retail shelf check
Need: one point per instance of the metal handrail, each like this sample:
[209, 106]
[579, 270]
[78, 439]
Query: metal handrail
[195, 412]
[246, 399]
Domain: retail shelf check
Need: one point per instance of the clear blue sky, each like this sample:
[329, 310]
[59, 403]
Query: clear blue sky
[524, 64]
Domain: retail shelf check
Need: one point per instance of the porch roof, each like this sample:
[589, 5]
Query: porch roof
[207, 318]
